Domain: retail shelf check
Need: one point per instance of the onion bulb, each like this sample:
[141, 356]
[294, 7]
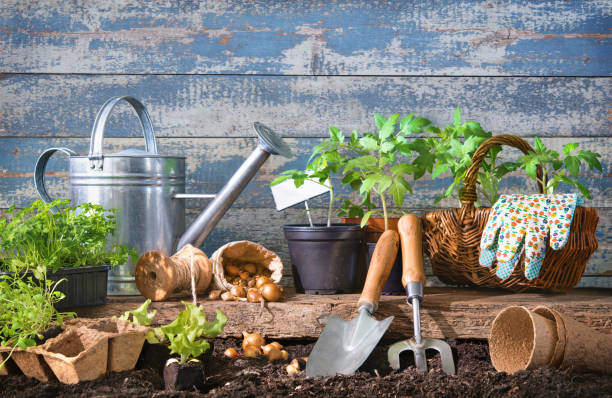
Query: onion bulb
[251, 351]
[271, 292]
[254, 339]
[262, 280]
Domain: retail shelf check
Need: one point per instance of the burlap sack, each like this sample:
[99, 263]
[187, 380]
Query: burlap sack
[243, 252]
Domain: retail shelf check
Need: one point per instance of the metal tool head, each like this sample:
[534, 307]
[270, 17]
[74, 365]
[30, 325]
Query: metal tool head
[345, 345]
[446, 354]
[272, 142]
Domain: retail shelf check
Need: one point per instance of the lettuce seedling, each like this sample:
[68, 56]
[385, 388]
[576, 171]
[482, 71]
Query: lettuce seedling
[186, 334]
[140, 316]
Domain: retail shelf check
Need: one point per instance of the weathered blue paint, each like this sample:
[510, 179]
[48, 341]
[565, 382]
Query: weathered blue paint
[226, 106]
[304, 37]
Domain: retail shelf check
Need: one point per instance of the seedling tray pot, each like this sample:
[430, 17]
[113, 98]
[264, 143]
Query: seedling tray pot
[84, 286]
[125, 340]
[325, 260]
[76, 355]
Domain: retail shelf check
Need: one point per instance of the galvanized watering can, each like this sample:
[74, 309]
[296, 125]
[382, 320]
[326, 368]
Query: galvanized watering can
[148, 190]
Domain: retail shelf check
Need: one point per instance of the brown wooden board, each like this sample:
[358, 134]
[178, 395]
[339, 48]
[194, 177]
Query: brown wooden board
[446, 312]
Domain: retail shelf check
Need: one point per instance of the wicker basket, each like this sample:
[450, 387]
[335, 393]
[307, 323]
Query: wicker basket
[452, 239]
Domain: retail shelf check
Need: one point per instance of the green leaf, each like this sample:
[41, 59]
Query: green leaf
[569, 148]
[366, 217]
[457, 117]
[369, 182]
[280, 179]
[380, 120]
[368, 143]
[384, 183]
[140, 316]
[336, 135]
[387, 147]
[402, 168]
[531, 169]
[539, 145]
[389, 127]
[572, 164]
[397, 191]
[591, 159]
[439, 168]
[362, 162]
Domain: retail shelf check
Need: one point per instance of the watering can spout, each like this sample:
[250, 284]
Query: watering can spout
[270, 143]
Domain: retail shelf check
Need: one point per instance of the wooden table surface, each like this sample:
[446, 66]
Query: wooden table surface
[445, 313]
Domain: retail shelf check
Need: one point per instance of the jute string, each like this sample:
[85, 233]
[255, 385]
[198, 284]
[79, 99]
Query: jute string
[186, 276]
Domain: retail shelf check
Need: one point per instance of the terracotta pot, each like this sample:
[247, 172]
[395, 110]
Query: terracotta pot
[374, 227]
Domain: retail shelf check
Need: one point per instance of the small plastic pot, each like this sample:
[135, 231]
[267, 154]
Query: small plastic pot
[183, 377]
[325, 260]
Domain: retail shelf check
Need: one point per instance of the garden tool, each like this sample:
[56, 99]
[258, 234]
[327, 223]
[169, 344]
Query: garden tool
[413, 278]
[344, 345]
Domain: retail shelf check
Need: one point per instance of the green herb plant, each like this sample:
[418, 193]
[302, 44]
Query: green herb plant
[325, 161]
[26, 310]
[451, 150]
[559, 169]
[37, 238]
[378, 167]
[186, 334]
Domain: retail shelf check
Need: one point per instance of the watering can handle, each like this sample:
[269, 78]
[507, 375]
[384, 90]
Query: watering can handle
[96, 155]
[39, 170]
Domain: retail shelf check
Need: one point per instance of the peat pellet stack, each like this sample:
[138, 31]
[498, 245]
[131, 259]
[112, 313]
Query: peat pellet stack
[523, 339]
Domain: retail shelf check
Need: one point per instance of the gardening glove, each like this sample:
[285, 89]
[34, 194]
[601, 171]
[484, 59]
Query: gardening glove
[529, 217]
[560, 215]
[502, 239]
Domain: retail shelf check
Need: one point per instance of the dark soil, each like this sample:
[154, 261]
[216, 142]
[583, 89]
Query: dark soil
[257, 378]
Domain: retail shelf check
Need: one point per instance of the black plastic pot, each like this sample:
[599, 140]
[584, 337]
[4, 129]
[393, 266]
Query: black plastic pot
[393, 286]
[325, 260]
[185, 376]
[84, 286]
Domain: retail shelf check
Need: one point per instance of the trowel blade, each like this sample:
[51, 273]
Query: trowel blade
[343, 346]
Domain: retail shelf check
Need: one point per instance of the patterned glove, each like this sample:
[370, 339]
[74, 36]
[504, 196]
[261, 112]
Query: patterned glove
[521, 223]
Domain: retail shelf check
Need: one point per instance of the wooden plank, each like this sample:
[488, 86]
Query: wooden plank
[304, 37]
[226, 106]
[212, 161]
[446, 312]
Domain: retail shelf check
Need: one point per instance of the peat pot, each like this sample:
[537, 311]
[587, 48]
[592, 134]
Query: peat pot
[325, 260]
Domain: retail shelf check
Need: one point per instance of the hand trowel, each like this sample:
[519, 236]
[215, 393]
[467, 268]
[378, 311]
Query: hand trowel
[343, 346]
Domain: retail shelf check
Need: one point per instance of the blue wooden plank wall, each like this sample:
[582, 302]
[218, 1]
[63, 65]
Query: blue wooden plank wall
[208, 69]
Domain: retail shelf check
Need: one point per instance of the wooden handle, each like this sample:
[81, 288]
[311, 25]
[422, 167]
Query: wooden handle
[409, 227]
[380, 267]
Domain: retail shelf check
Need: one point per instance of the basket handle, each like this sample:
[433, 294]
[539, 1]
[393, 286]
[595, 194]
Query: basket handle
[469, 193]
